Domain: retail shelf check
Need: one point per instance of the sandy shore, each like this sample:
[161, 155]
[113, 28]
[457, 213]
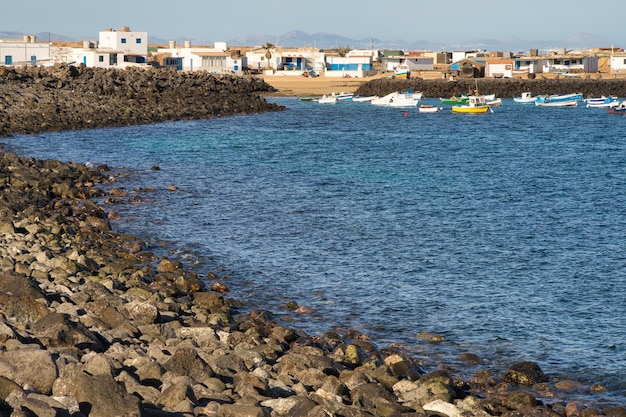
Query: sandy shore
[305, 86]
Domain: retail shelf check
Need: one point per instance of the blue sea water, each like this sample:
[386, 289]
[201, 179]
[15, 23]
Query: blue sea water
[505, 233]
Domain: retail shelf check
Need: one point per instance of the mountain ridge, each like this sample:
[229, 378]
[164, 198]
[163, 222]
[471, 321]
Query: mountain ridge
[296, 38]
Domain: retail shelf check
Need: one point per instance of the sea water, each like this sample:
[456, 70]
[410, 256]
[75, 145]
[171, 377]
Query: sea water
[503, 233]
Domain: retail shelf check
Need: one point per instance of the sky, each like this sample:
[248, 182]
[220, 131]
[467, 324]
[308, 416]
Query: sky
[411, 20]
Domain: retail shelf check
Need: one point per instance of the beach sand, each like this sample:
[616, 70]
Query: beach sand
[305, 86]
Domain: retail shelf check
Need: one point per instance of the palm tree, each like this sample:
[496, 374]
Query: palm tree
[342, 50]
[268, 53]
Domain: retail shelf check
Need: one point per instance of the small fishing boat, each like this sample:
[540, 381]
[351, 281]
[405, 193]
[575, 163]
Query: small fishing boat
[363, 99]
[475, 105]
[327, 99]
[495, 102]
[427, 108]
[558, 98]
[403, 101]
[396, 99]
[402, 71]
[620, 109]
[455, 100]
[525, 98]
[603, 101]
[567, 103]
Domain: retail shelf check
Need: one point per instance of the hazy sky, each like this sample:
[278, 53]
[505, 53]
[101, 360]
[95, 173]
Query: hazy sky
[410, 20]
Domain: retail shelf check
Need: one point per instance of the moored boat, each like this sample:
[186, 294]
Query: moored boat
[455, 100]
[363, 99]
[603, 101]
[620, 109]
[327, 99]
[427, 108]
[525, 98]
[565, 103]
[495, 102]
[557, 98]
[475, 105]
[402, 71]
[396, 99]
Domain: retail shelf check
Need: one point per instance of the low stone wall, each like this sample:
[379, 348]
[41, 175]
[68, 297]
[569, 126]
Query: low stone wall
[93, 324]
[503, 88]
[66, 97]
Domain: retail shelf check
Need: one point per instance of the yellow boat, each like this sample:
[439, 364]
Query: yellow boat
[476, 104]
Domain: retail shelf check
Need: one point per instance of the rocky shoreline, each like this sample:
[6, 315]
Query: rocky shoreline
[63, 97]
[92, 323]
[503, 88]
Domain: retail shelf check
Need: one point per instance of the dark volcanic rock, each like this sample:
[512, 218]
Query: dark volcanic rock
[504, 88]
[66, 97]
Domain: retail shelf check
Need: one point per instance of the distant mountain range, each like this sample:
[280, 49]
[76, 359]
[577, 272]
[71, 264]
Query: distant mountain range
[298, 38]
[328, 41]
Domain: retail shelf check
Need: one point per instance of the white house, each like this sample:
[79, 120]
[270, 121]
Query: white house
[499, 68]
[287, 61]
[132, 45]
[570, 63]
[350, 66]
[91, 55]
[461, 55]
[524, 65]
[617, 62]
[217, 59]
[25, 52]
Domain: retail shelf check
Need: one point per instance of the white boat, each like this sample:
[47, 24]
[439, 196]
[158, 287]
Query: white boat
[344, 96]
[489, 97]
[603, 101]
[426, 108]
[402, 71]
[495, 102]
[384, 100]
[525, 98]
[326, 99]
[363, 99]
[396, 99]
[404, 101]
[564, 103]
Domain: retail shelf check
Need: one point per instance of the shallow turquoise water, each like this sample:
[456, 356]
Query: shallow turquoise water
[504, 232]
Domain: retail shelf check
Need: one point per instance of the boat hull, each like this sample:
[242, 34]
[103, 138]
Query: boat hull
[525, 98]
[602, 102]
[570, 103]
[470, 110]
[617, 111]
[454, 100]
[429, 109]
[559, 98]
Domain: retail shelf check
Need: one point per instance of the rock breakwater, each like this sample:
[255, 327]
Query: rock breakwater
[504, 88]
[94, 324]
[39, 99]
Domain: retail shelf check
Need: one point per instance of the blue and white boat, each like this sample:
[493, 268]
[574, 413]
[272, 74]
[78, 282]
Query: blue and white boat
[603, 101]
[559, 99]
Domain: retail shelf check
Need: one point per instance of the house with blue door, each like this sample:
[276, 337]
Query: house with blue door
[287, 61]
[132, 45]
[24, 52]
[115, 49]
[91, 55]
[353, 66]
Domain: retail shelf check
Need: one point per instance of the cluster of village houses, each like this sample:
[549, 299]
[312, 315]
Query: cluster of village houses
[123, 48]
